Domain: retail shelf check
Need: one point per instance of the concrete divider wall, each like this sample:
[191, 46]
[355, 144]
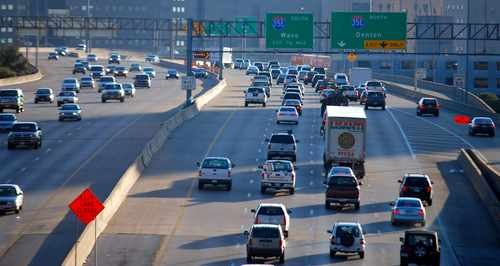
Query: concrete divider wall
[473, 173]
[21, 79]
[86, 241]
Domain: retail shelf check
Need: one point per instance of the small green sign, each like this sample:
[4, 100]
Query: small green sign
[366, 30]
[285, 30]
[246, 26]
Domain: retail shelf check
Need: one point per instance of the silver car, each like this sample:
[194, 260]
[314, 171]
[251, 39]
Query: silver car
[11, 198]
[70, 111]
[408, 210]
[7, 121]
[129, 89]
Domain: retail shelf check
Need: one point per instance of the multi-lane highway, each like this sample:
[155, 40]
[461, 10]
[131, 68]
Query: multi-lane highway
[166, 220]
[93, 152]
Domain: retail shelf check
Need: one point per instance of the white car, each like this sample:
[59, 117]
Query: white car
[255, 95]
[215, 171]
[150, 71]
[273, 213]
[129, 89]
[277, 175]
[66, 97]
[92, 58]
[287, 114]
[341, 79]
[347, 237]
[11, 197]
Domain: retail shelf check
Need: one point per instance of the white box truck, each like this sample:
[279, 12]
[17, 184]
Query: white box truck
[345, 138]
[360, 74]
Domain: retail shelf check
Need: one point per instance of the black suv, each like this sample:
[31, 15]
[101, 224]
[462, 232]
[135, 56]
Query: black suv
[282, 145]
[416, 186]
[25, 134]
[375, 99]
[420, 247]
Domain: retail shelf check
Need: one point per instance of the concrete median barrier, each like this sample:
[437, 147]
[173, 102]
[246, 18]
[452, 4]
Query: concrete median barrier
[21, 79]
[86, 241]
[472, 163]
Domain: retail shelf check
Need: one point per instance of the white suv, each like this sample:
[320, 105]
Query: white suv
[347, 237]
[273, 213]
[265, 241]
[255, 95]
[215, 171]
[277, 174]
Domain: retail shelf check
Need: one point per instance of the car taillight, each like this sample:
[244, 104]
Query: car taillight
[293, 176]
[281, 243]
[199, 172]
[268, 146]
[229, 174]
[421, 212]
[284, 221]
[362, 242]
[428, 189]
[256, 220]
[250, 242]
[332, 240]
[404, 189]
[396, 212]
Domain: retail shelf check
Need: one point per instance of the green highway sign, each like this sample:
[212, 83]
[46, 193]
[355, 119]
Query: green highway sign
[365, 30]
[245, 26]
[286, 30]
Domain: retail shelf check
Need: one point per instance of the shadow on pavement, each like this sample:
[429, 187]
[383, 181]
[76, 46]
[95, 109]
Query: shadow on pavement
[216, 242]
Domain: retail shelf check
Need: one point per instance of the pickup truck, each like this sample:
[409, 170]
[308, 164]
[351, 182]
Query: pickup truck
[277, 174]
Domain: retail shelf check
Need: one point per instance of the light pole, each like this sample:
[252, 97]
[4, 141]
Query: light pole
[88, 27]
[466, 75]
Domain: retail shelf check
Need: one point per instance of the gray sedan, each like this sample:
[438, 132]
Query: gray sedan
[7, 121]
[408, 210]
[70, 111]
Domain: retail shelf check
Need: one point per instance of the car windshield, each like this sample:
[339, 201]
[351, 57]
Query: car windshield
[148, 69]
[408, 203]
[70, 107]
[346, 181]
[262, 232]
[86, 79]
[429, 102]
[66, 93]
[416, 181]
[142, 77]
[43, 91]
[172, 71]
[215, 164]
[107, 79]
[69, 81]
[374, 84]
[8, 93]
[260, 83]
[127, 85]
[96, 68]
[120, 68]
[282, 166]
[255, 90]
[420, 239]
[286, 139]
[22, 127]
[483, 121]
[292, 102]
[7, 117]
[270, 210]
[113, 87]
[375, 94]
[288, 109]
[7, 191]
[348, 88]
[347, 230]
[291, 96]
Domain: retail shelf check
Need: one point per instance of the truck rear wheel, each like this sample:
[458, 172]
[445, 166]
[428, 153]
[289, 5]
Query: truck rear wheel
[292, 191]
[356, 206]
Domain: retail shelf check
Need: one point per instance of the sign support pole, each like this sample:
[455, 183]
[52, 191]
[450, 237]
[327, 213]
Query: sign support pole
[221, 57]
[76, 241]
[189, 58]
[95, 240]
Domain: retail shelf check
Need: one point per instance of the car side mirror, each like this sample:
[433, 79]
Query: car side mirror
[198, 164]
[252, 210]
[295, 167]
[288, 211]
[432, 182]
[402, 239]
[233, 165]
[266, 139]
[20, 193]
[246, 233]
[392, 203]
[260, 167]
[297, 141]
[329, 231]
[400, 181]
[360, 183]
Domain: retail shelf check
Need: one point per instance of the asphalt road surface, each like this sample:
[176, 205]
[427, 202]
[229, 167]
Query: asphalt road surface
[93, 152]
[166, 220]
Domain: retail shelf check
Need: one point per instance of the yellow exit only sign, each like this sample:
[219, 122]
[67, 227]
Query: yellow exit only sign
[385, 44]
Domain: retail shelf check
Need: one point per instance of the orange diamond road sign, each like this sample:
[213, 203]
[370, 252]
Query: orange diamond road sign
[384, 44]
[86, 206]
[201, 54]
[352, 57]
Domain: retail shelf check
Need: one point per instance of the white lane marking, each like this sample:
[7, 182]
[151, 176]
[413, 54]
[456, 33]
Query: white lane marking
[8, 181]
[452, 171]
[48, 150]
[259, 151]
[23, 169]
[59, 141]
[37, 158]
[402, 133]
[441, 127]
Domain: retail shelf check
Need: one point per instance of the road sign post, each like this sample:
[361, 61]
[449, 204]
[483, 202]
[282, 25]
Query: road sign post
[365, 30]
[189, 59]
[420, 73]
[86, 207]
[287, 30]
